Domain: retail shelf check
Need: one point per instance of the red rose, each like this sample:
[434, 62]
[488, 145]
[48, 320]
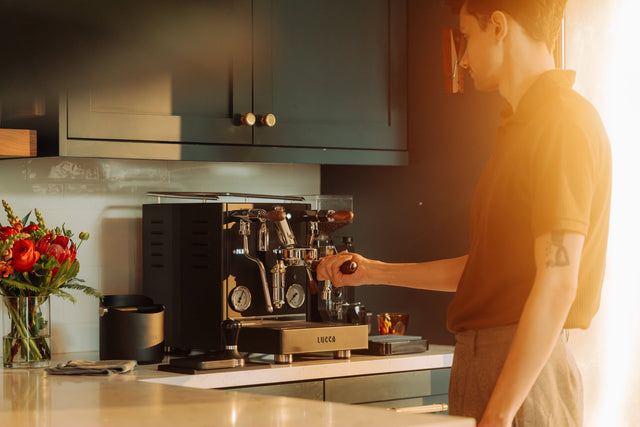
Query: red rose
[30, 228]
[24, 255]
[5, 232]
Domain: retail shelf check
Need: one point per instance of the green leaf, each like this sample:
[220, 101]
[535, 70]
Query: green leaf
[46, 262]
[62, 275]
[74, 268]
[26, 219]
[76, 285]
[39, 323]
[62, 294]
[20, 286]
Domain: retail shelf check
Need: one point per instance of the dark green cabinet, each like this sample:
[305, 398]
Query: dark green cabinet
[312, 390]
[389, 390]
[191, 97]
[332, 73]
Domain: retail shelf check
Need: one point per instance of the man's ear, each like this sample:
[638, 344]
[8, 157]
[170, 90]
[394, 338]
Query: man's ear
[499, 24]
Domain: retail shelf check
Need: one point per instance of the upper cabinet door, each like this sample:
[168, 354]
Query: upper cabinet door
[195, 90]
[328, 76]
[332, 72]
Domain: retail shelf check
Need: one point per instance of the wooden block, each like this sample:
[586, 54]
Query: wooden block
[18, 143]
[451, 52]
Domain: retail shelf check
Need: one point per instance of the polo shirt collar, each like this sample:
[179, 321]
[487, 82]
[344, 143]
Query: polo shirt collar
[546, 84]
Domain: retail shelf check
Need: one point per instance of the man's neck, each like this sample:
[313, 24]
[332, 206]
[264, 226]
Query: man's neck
[522, 70]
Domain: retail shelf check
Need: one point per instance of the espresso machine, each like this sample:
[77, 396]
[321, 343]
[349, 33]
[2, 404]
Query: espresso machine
[249, 259]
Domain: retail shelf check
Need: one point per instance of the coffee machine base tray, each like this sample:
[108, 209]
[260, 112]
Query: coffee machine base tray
[287, 338]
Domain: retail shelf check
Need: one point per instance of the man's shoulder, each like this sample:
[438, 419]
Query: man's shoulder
[567, 106]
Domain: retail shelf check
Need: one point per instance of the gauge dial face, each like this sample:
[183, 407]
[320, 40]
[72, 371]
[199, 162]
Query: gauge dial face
[240, 298]
[295, 296]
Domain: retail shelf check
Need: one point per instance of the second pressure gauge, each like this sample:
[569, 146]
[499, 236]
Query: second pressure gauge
[295, 296]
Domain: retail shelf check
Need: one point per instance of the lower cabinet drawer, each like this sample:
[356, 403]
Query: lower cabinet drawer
[415, 401]
[380, 387]
[392, 390]
[313, 390]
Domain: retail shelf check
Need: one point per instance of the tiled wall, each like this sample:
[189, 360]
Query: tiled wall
[105, 197]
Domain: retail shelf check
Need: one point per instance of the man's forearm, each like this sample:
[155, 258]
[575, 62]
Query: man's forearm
[440, 275]
[538, 330]
[542, 320]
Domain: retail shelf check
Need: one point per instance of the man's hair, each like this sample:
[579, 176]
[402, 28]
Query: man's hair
[541, 19]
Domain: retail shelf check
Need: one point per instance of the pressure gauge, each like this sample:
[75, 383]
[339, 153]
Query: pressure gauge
[240, 298]
[295, 296]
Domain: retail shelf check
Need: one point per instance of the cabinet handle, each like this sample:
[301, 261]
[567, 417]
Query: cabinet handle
[438, 407]
[268, 120]
[248, 119]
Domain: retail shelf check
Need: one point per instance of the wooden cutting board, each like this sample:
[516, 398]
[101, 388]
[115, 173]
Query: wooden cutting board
[18, 143]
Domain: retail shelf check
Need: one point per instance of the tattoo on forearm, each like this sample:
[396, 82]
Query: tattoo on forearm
[557, 254]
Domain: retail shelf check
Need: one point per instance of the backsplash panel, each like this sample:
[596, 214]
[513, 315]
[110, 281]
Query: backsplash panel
[105, 197]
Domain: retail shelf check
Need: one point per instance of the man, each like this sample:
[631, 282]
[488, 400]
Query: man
[539, 226]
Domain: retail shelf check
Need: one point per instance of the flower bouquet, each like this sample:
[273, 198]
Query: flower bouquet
[35, 262]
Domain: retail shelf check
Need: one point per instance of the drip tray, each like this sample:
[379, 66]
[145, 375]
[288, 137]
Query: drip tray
[284, 339]
[202, 363]
[387, 345]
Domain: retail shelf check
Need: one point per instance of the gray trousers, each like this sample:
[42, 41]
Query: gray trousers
[556, 398]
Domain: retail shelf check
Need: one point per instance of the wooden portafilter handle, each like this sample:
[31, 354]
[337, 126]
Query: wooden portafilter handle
[275, 216]
[342, 216]
[347, 267]
[230, 332]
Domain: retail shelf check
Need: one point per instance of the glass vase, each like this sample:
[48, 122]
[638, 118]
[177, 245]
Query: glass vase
[26, 332]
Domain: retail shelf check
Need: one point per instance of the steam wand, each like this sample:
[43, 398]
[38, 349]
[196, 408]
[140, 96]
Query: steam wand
[245, 216]
[245, 231]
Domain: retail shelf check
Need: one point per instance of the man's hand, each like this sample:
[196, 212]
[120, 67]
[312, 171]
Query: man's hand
[329, 269]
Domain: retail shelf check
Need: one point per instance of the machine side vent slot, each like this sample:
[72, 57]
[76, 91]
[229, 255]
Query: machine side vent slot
[199, 255]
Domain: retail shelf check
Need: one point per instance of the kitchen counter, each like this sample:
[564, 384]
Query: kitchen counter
[307, 368]
[150, 397]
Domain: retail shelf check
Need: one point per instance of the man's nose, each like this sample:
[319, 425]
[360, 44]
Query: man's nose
[463, 61]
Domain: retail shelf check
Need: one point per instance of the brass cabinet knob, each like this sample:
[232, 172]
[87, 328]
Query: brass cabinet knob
[248, 119]
[268, 120]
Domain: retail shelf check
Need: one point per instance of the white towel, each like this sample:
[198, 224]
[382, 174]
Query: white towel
[101, 367]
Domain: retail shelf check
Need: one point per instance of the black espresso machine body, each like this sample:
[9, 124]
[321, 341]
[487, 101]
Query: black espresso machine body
[196, 263]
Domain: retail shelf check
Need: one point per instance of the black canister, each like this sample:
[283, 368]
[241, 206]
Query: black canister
[131, 328]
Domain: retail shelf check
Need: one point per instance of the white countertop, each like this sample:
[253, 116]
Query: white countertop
[310, 368]
[147, 398]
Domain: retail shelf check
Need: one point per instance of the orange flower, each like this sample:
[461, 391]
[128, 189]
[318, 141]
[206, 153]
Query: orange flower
[24, 255]
[6, 268]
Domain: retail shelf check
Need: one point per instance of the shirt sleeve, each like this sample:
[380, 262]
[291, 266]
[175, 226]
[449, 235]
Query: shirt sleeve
[563, 172]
